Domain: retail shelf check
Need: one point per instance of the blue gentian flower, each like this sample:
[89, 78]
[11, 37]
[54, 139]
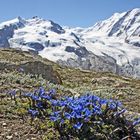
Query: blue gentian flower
[55, 118]
[86, 119]
[136, 122]
[28, 94]
[33, 113]
[103, 101]
[62, 121]
[88, 103]
[78, 115]
[12, 93]
[52, 92]
[97, 110]
[119, 104]
[112, 106]
[95, 98]
[68, 116]
[41, 91]
[77, 108]
[54, 102]
[73, 114]
[39, 105]
[34, 97]
[78, 125]
[87, 112]
[120, 112]
[56, 113]
[46, 97]
[62, 103]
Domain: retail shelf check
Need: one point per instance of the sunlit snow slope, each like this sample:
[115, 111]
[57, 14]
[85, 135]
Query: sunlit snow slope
[110, 45]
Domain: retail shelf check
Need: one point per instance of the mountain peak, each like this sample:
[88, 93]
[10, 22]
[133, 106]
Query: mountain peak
[131, 13]
[135, 10]
[17, 21]
[119, 24]
[110, 45]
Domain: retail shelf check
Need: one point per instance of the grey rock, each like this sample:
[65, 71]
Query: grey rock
[81, 52]
[56, 28]
[34, 68]
[7, 32]
[92, 62]
[36, 46]
[70, 49]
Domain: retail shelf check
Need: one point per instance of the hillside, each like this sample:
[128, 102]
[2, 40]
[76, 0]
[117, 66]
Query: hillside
[72, 82]
[80, 81]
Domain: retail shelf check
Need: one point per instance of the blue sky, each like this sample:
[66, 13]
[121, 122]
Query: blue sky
[83, 13]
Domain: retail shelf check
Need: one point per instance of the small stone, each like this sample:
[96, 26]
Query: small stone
[120, 94]
[3, 134]
[33, 138]
[9, 137]
[16, 134]
[77, 95]
[4, 124]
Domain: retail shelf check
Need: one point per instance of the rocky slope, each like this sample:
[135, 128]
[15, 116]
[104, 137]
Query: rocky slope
[19, 70]
[112, 45]
[14, 122]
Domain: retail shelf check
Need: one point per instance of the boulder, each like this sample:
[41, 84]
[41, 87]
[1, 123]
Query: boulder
[35, 68]
[39, 68]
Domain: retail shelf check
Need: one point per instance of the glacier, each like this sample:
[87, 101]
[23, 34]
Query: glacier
[112, 45]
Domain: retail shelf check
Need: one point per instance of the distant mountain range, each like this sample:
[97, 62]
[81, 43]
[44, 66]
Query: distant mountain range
[111, 45]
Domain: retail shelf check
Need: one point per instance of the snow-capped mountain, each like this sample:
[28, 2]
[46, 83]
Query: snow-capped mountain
[110, 45]
[120, 24]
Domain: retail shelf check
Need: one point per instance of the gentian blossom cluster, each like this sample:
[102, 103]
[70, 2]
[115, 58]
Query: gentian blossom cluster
[83, 109]
[40, 101]
[84, 117]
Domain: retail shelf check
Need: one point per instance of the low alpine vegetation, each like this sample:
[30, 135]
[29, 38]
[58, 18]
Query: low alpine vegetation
[86, 117]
